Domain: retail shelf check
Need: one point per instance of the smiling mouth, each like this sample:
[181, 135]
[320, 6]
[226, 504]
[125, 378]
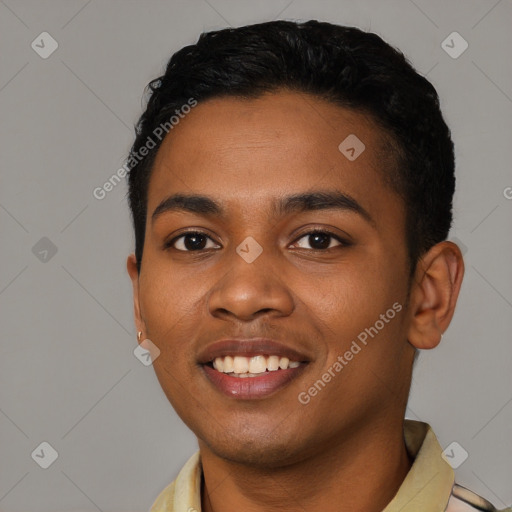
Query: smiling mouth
[252, 377]
[254, 366]
[251, 368]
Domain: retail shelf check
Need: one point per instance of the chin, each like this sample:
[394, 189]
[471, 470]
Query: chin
[257, 449]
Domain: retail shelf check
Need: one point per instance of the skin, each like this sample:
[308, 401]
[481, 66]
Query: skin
[344, 450]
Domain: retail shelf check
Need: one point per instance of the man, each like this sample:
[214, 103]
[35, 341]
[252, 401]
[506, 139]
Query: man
[291, 190]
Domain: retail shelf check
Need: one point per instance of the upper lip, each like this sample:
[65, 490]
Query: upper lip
[249, 347]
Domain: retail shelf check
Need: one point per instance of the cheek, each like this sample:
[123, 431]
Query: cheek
[351, 306]
[352, 293]
[167, 296]
[170, 313]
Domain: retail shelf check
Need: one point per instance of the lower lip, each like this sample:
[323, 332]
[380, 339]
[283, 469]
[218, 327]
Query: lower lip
[252, 387]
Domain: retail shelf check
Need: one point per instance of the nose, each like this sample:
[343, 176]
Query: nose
[247, 290]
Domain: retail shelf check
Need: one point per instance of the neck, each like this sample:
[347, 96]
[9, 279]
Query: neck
[362, 472]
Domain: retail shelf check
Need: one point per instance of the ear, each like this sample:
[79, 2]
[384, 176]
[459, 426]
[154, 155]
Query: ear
[435, 289]
[131, 266]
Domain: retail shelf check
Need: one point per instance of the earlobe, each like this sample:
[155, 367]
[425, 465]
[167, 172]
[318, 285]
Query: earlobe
[131, 266]
[434, 294]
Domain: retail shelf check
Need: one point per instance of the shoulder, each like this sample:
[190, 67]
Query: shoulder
[464, 500]
[164, 501]
[184, 493]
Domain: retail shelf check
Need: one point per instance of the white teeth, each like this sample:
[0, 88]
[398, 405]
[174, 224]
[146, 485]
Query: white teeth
[218, 364]
[283, 363]
[257, 364]
[228, 364]
[273, 363]
[241, 366]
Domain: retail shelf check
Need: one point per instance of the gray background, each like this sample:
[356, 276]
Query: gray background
[68, 374]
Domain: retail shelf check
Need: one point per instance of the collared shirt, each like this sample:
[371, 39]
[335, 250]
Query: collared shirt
[429, 485]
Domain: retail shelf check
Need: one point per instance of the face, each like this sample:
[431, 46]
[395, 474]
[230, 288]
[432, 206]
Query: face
[321, 276]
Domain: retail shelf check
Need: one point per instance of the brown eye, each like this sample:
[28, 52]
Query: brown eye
[321, 240]
[192, 241]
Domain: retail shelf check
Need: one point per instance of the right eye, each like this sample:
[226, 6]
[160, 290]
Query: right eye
[193, 241]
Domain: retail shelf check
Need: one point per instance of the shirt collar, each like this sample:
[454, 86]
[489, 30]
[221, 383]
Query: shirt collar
[427, 486]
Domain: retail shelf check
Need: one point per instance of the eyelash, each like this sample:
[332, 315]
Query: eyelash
[346, 243]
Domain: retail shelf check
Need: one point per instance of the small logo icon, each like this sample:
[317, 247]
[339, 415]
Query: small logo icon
[249, 249]
[45, 455]
[351, 147]
[146, 352]
[44, 45]
[454, 45]
[454, 454]
[44, 250]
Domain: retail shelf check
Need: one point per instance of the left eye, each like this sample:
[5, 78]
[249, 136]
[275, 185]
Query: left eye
[322, 239]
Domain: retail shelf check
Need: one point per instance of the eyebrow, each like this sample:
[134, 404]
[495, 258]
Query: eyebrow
[296, 203]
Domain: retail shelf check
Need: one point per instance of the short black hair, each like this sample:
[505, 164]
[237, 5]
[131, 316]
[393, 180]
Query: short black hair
[344, 65]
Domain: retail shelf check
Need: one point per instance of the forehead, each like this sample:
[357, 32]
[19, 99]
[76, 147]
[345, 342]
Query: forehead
[244, 151]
